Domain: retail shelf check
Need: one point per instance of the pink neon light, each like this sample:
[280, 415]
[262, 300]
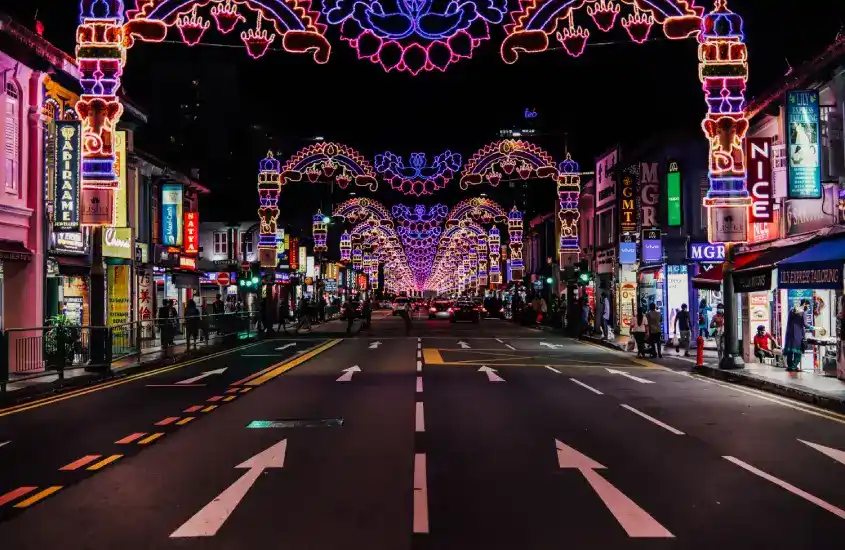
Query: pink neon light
[573, 40]
[226, 16]
[192, 27]
[257, 40]
[604, 14]
[638, 26]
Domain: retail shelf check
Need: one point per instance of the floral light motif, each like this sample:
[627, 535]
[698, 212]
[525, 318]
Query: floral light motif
[604, 13]
[345, 164]
[573, 38]
[226, 16]
[638, 25]
[257, 40]
[192, 27]
[506, 155]
[418, 177]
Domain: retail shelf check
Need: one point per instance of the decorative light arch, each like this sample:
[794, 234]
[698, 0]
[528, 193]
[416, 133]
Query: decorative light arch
[479, 209]
[499, 159]
[327, 159]
[361, 209]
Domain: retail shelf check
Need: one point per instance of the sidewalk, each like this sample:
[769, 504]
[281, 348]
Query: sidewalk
[806, 386]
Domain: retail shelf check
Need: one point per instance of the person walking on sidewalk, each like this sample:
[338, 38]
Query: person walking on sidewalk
[304, 315]
[605, 316]
[192, 324]
[794, 343]
[349, 315]
[639, 327]
[402, 308]
[718, 326]
[655, 330]
[284, 314]
[682, 324]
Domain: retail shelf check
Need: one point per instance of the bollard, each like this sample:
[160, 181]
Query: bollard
[699, 356]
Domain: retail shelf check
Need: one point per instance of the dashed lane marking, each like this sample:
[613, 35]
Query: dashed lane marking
[193, 409]
[185, 420]
[15, 494]
[209, 408]
[419, 384]
[130, 438]
[230, 398]
[585, 386]
[233, 390]
[510, 347]
[79, 463]
[38, 496]
[653, 420]
[103, 463]
[244, 390]
[150, 439]
[215, 398]
[167, 421]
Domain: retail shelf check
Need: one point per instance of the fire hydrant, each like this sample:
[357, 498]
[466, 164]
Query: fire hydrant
[699, 356]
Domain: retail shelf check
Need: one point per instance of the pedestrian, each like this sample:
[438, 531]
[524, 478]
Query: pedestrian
[173, 317]
[204, 325]
[349, 314]
[284, 313]
[367, 313]
[585, 316]
[402, 308]
[304, 315]
[192, 324]
[605, 316]
[766, 347]
[718, 332]
[655, 330]
[639, 328]
[682, 325]
[163, 322]
[703, 310]
[321, 309]
[794, 342]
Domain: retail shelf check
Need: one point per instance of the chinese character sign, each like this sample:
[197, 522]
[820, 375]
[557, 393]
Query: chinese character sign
[803, 144]
[69, 138]
[192, 236]
[171, 214]
[293, 254]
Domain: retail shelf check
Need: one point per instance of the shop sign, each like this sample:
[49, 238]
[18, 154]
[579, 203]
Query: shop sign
[283, 278]
[171, 214]
[765, 231]
[192, 235]
[164, 257]
[803, 145]
[117, 242]
[303, 255]
[330, 285]
[69, 149]
[120, 203]
[74, 242]
[186, 262]
[628, 204]
[818, 277]
[753, 281]
[803, 216]
[759, 154]
[118, 294]
[706, 252]
[280, 242]
[674, 195]
[628, 250]
[97, 206]
[605, 260]
[362, 282]
[649, 195]
[606, 179]
[728, 224]
[145, 299]
[293, 252]
[652, 243]
[627, 302]
[142, 253]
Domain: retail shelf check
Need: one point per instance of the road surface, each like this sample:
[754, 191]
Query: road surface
[487, 436]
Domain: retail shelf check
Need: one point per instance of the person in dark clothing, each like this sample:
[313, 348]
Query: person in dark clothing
[655, 330]
[793, 340]
[284, 314]
[321, 309]
[349, 315]
[682, 324]
[367, 313]
[192, 324]
[164, 326]
[204, 322]
[218, 308]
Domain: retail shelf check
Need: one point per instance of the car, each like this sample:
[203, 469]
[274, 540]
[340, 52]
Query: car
[385, 304]
[401, 303]
[465, 310]
[439, 309]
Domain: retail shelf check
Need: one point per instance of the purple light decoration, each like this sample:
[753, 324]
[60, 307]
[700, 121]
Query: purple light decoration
[345, 247]
[357, 259]
[319, 231]
[269, 187]
[494, 242]
[515, 243]
[569, 194]
[418, 177]
[420, 232]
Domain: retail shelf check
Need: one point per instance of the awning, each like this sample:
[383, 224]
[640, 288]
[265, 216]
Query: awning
[817, 267]
[712, 280]
[14, 251]
[73, 265]
[756, 274]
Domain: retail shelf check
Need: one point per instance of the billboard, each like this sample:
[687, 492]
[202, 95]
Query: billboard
[171, 214]
[68, 156]
[759, 162]
[628, 204]
[803, 145]
[674, 195]
[652, 243]
[192, 233]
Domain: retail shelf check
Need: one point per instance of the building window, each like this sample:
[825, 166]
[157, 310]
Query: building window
[70, 114]
[221, 243]
[247, 240]
[51, 109]
[12, 144]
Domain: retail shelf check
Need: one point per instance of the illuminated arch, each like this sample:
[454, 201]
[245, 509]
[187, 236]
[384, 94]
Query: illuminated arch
[295, 21]
[508, 156]
[478, 209]
[360, 209]
[330, 160]
[535, 21]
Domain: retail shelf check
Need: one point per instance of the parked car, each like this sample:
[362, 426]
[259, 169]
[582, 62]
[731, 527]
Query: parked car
[465, 310]
[401, 303]
[440, 309]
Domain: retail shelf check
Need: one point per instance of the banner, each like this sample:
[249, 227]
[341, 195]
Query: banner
[68, 155]
[803, 146]
[302, 259]
[120, 194]
[759, 162]
[706, 252]
[606, 179]
[171, 214]
[145, 301]
[628, 250]
[757, 280]
[293, 254]
[192, 233]
[118, 294]
[816, 276]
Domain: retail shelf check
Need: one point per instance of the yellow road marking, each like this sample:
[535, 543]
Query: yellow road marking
[103, 463]
[150, 439]
[284, 367]
[38, 496]
[185, 420]
[105, 385]
[432, 357]
[230, 398]
[209, 408]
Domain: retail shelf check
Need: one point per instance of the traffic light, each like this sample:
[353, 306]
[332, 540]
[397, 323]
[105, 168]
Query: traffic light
[584, 278]
[255, 275]
[251, 279]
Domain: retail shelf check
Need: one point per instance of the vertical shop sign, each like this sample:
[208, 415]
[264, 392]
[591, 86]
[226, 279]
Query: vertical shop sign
[118, 294]
[192, 234]
[627, 303]
[628, 204]
[605, 179]
[171, 214]
[649, 195]
[303, 254]
[293, 248]
[803, 146]
[759, 155]
[280, 242]
[145, 301]
[652, 243]
[674, 195]
[120, 192]
[628, 250]
[69, 145]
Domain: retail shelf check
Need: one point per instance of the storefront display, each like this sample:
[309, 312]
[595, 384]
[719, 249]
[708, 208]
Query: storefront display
[75, 301]
[118, 292]
[677, 292]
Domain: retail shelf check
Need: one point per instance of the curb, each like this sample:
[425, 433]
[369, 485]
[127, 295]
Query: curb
[805, 396]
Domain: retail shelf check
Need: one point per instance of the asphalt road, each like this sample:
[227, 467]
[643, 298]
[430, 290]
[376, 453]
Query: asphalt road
[486, 436]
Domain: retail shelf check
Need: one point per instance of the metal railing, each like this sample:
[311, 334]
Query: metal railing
[27, 353]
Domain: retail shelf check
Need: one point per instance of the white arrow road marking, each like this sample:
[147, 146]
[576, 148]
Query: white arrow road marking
[835, 454]
[375, 345]
[347, 373]
[420, 494]
[553, 369]
[463, 345]
[286, 346]
[633, 519]
[211, 517]
[203, 375]
[4, 443]
[491, 374]
[583, 385]
[839, 512]
[653, 420]
[551, 346]
[510, 347]
[630, 376]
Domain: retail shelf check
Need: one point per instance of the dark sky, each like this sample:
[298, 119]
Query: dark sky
[615, 92]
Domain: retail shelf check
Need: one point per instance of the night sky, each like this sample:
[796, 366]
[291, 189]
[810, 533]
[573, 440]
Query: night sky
[618, 92]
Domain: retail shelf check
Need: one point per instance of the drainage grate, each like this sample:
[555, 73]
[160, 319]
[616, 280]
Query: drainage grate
[297, 423]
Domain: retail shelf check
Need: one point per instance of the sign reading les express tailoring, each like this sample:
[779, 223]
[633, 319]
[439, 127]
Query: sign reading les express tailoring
[628, 204]
[803, 148]
[759, 155]
[819, 276]
[171, 214]
[68, 156]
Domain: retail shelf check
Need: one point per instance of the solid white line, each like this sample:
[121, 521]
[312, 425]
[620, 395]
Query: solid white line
[499, 341]
[419, 384]
[419, 366]
[420, 418]
[839, 512]
[653, 420]
[551, 368]
[420, 495]
[583, 385]
[510, 347]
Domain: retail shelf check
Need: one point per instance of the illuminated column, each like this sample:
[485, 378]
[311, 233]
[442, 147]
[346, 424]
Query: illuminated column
[494, 242]
[482, 260]
[723, 70]
[319, 231]
[269, 187]
[100, 56]
[515, 243]
[357, 258]
[345, 248]
[568, 193]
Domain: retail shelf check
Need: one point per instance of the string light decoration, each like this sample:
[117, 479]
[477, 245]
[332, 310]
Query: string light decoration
[638, 25]
[418, 177]
[319, 231]
[362, 209]
[574, 37]
[192, 27]
[481, 241]
[345, 248]
[500, 158]
[723, 71]
[257, 40]
[269, 188]
[515, 243]
[569, 195]
[226, 16]
[478, 209]
[357, 258]
[604, 14]
[494, 242]
[420, 231]
[414, 35]
[330, 160]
